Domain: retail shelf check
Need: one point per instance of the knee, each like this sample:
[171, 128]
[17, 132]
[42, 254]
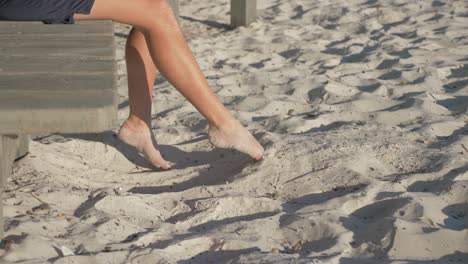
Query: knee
[159, 10]
[158, 5]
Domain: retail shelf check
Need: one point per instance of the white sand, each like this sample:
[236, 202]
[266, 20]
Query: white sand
[361, 105]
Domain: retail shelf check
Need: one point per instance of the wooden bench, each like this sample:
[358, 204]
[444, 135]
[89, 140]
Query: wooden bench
[53, 79]
[243, 12]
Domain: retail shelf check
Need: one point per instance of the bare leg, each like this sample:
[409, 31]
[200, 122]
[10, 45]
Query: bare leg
[171, 55]
[136, 130]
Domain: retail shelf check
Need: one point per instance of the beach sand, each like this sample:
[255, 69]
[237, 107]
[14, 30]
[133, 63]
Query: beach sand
[361, 106]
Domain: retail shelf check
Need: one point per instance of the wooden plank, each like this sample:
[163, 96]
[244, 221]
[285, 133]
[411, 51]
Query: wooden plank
[59, 118]
[55, 65]
[8, 146]
[85, 28]
[53, 41]
[35, 100]
[243, 12]
[37, 46]
[54, 82]
[65, 52]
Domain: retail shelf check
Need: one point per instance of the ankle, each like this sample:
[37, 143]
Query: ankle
[226, 125]
[135, 122]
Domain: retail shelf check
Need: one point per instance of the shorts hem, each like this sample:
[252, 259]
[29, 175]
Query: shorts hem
[86, 10]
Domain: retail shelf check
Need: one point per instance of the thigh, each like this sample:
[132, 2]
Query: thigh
[135, 12]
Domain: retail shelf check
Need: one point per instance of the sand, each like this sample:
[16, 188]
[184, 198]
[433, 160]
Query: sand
[361, 106]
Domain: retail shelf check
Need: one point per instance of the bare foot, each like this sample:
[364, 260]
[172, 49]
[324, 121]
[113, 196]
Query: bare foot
[139, 135]
[235, 136]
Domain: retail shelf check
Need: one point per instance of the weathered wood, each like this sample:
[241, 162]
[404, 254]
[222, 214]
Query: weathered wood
[56, 82]
[23, 146]
[57, 78]
[243, 12]
[45, 99]
[62, 46]
[61, 111]
[8, 147]
[74, 65]
[83, 28]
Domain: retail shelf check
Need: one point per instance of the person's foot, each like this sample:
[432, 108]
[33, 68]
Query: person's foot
[139, 135]
[235, 136]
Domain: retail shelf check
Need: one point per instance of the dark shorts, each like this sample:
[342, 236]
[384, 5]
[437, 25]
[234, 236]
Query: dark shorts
[48, 11]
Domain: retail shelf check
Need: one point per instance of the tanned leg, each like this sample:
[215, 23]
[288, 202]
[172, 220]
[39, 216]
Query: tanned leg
[141, 73]
[171, 54]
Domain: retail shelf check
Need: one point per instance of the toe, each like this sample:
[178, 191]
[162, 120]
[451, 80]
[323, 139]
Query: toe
[259, 156]
[159, 161]
[155, 157]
